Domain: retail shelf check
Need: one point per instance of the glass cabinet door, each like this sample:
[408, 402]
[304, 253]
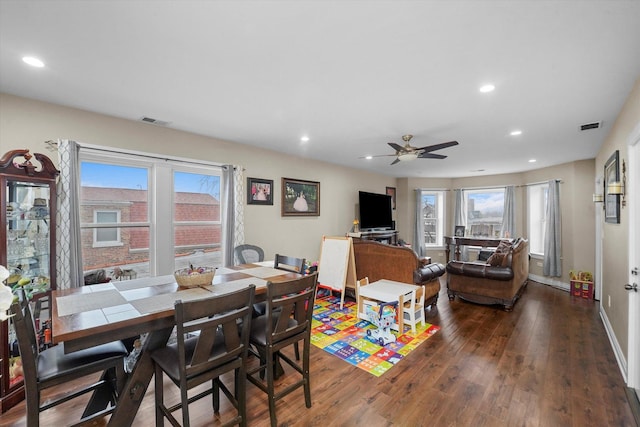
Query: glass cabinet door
[28, 230]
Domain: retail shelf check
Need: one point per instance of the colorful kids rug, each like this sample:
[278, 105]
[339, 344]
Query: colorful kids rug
[342, 334]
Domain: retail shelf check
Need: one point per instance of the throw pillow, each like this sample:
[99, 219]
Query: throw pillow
[496, 259]
[503, 247]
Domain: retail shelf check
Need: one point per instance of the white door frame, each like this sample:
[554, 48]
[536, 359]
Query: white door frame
[633, 204]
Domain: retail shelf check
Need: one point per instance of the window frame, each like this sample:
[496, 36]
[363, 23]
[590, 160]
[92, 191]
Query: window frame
[469, 223]
[105, 225]
[440, 219]
[541, 191]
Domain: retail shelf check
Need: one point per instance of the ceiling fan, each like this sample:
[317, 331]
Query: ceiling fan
[408, 152]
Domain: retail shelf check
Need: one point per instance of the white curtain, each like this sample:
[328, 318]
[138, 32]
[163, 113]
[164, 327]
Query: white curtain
[552, 265]
[68, 245]
[418, 236]
[509, 214]
[234, 212]
[460, 219]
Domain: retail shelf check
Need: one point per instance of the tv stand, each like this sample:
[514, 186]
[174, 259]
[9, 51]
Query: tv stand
[389, 237]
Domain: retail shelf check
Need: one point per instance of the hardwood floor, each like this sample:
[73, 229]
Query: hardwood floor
[547, 363]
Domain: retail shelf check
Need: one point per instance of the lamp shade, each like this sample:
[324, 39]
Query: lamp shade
[407, 156]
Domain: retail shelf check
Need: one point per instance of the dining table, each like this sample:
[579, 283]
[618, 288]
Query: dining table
[88, 316]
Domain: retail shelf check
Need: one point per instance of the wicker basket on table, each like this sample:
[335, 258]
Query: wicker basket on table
[192, 277]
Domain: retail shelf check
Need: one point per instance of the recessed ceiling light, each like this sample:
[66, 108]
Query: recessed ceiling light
[368, 157]
[304, 139]
[34, 62]
[487, 88]
[532, 160]
[516, 133]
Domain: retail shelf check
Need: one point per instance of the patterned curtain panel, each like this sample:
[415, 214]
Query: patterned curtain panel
[68, 246]
[552, 265]
[418, 237]
[509, 214]
[234, 211]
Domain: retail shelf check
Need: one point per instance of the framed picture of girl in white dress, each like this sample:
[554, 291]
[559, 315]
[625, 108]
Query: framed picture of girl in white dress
[259, 191]
[300, 198]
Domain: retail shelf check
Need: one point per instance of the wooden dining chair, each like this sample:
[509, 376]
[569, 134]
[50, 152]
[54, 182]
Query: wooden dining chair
[53, 367]
[212, 339]
[247, 254]
[413, 310]
[287, 321]
[289, 263]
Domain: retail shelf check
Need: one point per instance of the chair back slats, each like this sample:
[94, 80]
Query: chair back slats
[27, 342]
[290, 307]
[288, 263]
[213, 331]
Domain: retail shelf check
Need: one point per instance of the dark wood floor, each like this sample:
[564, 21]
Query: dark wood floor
[547, 363]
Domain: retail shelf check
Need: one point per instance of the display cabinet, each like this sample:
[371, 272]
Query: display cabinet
[28, 203]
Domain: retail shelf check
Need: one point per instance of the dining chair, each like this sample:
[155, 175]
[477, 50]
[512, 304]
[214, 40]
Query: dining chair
[287, 321]
[248, 254]
[53, 367]
[413, 310]
[212, 339]
[288, 263]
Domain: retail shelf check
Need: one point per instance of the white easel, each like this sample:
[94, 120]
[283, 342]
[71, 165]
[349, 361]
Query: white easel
[337, 265]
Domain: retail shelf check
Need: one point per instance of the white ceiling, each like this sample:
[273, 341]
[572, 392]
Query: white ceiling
[352, 75]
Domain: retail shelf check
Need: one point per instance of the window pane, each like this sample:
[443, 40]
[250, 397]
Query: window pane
[197, 197]
[484, 212]
[433, 213]
[537, 197]
[127, 260]
[114, 187]
[198, 245]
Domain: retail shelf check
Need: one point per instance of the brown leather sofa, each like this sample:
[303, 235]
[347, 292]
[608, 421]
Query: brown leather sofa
[501, 280]
[381, 261]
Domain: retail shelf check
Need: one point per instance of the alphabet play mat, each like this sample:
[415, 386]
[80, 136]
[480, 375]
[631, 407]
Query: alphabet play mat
[343, 334]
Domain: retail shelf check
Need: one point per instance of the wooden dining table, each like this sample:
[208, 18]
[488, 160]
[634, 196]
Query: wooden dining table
[88, 316]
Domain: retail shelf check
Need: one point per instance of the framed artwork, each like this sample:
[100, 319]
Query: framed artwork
[300, 198]
[391, 191]
[259, 191]
[611, 201]
[459, 231]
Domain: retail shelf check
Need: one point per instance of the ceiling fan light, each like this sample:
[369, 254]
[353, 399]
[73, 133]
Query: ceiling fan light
[405, 157]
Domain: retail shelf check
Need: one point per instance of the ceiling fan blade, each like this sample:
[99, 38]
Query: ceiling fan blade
[435, 147]
[396, 146]
[431, 156]
[379, 155]
[395, 161]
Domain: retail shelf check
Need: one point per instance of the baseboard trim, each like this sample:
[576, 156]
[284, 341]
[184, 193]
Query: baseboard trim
[617, 351]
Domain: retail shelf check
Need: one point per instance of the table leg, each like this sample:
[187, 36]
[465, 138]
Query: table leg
[400, 315]
[138, 381]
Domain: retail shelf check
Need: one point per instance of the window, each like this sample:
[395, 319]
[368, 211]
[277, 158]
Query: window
[485, 209]
[536, 216]
[433, 217]
[104, 236]
[131, 223]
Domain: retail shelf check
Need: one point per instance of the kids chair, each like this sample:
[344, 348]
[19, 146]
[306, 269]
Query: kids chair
[413, 310]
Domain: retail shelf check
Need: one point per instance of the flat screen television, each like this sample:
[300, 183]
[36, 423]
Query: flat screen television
[375, 211]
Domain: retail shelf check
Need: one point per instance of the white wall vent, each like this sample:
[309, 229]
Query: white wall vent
[592, 125]
[154, 121]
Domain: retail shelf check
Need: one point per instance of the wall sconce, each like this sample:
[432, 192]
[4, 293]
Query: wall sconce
[598, 198]
[617, 187]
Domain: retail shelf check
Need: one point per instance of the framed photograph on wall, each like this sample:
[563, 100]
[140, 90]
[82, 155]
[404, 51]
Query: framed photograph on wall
[300, 198]
[391, 191]
[611, 201]
[259, 191]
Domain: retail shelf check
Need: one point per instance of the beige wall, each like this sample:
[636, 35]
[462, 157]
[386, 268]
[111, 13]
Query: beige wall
[615, 237]
[27, 124]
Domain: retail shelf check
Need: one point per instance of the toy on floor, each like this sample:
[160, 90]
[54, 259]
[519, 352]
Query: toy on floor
[383, 316]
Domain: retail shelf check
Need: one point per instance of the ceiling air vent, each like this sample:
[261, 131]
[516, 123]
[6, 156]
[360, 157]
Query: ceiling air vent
[593, 125]
[154, 121]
